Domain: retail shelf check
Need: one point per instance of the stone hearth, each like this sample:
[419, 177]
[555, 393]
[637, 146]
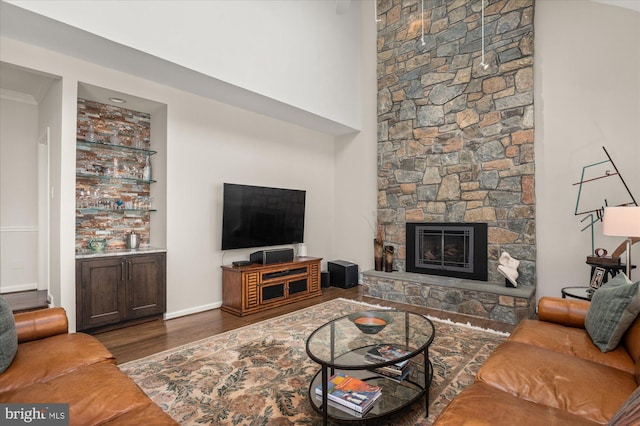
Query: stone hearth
[481, 299]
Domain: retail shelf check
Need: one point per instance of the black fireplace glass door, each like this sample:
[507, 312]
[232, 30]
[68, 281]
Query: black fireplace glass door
[450, 249]
[447, 248]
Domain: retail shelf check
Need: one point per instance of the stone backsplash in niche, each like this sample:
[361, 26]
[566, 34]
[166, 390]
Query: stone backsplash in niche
[112, 199]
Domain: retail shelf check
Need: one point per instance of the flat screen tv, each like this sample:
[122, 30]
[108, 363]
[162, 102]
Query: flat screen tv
[256, 216]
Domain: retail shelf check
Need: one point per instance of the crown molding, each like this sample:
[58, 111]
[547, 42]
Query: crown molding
[24, 98]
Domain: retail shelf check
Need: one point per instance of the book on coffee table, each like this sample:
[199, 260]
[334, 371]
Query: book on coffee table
[341, 407]
[382, 353]
[351, 392]
[395, 375]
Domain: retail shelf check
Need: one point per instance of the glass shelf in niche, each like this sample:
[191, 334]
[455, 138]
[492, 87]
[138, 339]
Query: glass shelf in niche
[90, 210]
[98, 145]
[109, 179]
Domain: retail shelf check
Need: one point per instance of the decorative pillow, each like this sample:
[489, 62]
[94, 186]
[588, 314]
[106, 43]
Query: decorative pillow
[629, 413]
[613, 308]
[8, 335]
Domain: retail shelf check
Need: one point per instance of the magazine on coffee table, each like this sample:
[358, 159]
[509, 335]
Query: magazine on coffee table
[382, 353]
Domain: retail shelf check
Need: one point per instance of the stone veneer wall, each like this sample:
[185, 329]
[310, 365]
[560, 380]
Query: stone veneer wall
[455, 141]
[126, 185]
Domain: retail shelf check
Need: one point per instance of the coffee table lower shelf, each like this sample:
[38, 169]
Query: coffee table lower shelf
[396, 395]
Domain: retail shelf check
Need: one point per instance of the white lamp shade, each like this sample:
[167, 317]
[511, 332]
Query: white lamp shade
[621, 221]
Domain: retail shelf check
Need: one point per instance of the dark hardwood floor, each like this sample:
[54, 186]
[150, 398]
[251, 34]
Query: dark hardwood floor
[140, 340]
[30, 300]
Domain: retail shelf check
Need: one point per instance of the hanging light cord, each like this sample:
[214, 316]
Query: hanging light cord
[422, 38]
[482, 64]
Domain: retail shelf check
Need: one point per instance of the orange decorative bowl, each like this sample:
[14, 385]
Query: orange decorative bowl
[370, 322]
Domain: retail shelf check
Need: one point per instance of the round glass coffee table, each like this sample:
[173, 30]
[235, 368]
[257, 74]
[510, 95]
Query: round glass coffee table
[346, 345]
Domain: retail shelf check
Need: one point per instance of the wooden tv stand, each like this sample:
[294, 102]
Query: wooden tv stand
[255, 288]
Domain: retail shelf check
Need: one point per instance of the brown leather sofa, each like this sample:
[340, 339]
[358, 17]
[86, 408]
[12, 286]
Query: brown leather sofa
[549, 372]
[53, 366]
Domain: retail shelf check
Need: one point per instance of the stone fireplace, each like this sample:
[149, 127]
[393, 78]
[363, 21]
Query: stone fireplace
[448, 249]
[455, 145]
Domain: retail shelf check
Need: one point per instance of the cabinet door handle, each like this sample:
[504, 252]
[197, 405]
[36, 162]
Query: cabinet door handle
[122, 268]
[129, 269]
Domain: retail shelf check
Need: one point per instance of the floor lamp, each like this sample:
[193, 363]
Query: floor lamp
[622, 222]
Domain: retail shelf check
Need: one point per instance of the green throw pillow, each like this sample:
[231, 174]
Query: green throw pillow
[8, 335]
[613, 308]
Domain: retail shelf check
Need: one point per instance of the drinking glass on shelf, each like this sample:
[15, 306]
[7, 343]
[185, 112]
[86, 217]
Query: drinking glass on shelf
[115, 139]
[90, 136]
[137, 142]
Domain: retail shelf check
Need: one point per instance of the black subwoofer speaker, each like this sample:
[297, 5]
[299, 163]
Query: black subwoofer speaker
[324, 279]
[342, 273]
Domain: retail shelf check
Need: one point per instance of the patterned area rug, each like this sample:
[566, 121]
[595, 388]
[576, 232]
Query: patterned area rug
[259, 374]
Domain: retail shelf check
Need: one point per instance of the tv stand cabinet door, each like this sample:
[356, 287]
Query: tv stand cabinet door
[251, 290]
[273, 293]
[314, 278]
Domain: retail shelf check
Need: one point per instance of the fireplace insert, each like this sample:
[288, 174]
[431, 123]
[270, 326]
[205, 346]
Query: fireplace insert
[448, 249]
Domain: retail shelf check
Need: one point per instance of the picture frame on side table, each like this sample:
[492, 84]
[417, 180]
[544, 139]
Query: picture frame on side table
[597, 277]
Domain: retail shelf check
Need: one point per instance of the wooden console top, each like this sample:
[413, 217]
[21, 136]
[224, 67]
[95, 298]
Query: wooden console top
[259, 266]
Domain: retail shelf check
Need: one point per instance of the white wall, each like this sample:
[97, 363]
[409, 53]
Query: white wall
[18, 192]
[50, 120]
[356, 163]
[587, 88]
[300, 53]
[208, 143]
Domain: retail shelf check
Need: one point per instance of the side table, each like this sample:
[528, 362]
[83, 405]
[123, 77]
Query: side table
[582, 293]
[610, 271]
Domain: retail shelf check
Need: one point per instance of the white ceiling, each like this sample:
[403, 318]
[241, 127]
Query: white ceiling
[102, 95]
[20, 24]
[33, 84]
[627, 4]
[23, 81]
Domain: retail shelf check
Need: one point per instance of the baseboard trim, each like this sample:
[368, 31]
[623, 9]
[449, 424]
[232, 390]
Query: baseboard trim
[194, 310]
[19, 287]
